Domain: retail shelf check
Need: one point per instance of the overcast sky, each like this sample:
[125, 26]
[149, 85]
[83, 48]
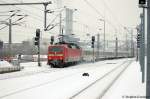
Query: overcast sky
[117, 13]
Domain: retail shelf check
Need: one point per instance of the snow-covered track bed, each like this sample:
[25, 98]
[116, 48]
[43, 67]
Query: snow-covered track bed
[58, 83]
[102, 84]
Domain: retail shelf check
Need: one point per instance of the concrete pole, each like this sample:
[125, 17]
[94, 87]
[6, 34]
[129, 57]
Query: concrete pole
[93, 54]
[116, 47]
[60, 22]
[132, 49]
[148, 52]
[39, 63]
[104, 37]
[98, 43]
[10, 37]
[127, 47]
[45, 16]
[143, 46]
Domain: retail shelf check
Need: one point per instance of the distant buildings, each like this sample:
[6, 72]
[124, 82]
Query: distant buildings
[1, 45]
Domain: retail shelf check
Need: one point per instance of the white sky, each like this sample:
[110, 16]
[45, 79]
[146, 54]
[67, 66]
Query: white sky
[116, 12]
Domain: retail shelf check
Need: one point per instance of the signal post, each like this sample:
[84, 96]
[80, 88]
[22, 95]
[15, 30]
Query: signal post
[93, 41]
[37, 43]
[148, 52]
[146, 4]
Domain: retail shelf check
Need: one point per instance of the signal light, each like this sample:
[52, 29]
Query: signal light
[142, 1]
[138, 37]
[93, 38]
[92, 43]
[36, 41]
[37, 38]
[138, 40]
[37, 32]
[92, 46]
[52, 39]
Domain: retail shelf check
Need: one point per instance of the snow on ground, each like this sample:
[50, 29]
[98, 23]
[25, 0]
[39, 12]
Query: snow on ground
[128, 85]
[101, 86]
[61, 83]
[30, 68]
[4, 63]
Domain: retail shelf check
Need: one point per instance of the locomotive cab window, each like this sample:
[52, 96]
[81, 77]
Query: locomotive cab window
[55, 49]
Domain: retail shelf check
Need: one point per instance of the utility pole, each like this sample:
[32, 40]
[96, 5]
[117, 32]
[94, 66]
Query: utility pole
[104, 35]
[38, 3]
[45, 15]
[93, 41]
[148, 51]
[98, 43]
[37, 43]
[10, 37]
[60, 22]
[127, 45]
[142, 44]
[138, 43]
[132, 44]
[116, 47]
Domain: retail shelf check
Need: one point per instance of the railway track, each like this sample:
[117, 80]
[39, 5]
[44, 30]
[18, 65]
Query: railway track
[78, 94]
[50, 70]
[64, 77]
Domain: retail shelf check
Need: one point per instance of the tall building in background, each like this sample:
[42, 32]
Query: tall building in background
[68, 21]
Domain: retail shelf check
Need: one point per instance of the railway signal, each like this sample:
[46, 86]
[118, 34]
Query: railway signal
[93, 40]
[37, 38]
[138, 40]
[52, 40]
[37, 43]
[142, 1]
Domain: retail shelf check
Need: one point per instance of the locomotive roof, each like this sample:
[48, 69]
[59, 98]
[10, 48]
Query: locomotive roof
[67, 44]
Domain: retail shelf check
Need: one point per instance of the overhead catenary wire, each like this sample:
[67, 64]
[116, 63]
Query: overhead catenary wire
[30, 6]
[113, 15]
[99, 13]
[13, 22]
[33, 15]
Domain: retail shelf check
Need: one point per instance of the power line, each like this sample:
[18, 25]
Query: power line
[35, 16]
[99, 13]
[32, 6]
[13, 22]
[113, 15]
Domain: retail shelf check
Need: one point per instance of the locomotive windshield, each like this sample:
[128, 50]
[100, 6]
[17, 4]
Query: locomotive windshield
[55, 49]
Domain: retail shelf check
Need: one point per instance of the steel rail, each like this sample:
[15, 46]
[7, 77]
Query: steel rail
[105, 75]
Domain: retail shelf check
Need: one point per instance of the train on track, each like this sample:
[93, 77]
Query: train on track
[62, 54]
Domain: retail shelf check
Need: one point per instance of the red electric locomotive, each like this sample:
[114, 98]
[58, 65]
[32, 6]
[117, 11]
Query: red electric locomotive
[61, 54]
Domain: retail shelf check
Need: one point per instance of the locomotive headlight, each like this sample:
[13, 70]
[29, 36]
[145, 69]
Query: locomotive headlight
[50, 54]
[59, 54]
[49, 57]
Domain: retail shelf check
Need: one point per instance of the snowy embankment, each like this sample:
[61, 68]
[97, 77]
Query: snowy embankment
[5, 64]
[128, 85]
[6, 67]
[54, 83]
